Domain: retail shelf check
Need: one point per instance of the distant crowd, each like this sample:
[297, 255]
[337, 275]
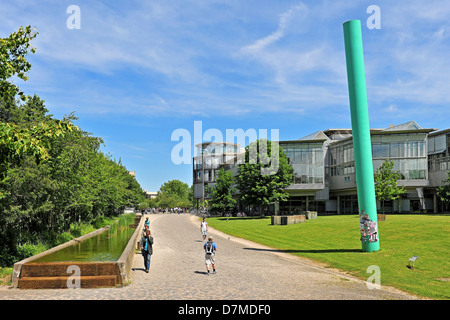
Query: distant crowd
[167, 210]
[199, 212]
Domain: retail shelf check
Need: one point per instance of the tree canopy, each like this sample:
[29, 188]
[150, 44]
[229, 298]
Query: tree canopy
[443, 192]
[13, 51]
[222, 200]
[174, 193]
[385, 179]
[52, 173]
[265, 175]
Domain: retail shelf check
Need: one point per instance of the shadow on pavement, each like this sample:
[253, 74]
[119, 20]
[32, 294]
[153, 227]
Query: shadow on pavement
[306, 251]
[201, 272]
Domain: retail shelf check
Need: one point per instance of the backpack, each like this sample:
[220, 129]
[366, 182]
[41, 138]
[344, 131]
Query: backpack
[209, 248]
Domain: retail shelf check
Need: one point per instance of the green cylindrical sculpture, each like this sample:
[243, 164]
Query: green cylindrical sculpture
[361, 136]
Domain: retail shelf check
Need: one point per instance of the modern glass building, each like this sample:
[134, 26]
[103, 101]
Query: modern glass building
[438, 166]
[324, 168]
[422, 156]
[405, 144]
[210, 157]
[308, 188]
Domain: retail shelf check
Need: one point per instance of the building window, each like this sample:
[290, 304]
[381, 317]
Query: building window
[394, 153]
[307, 161]
[380, 150]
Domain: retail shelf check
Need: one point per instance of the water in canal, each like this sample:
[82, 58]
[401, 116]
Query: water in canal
[106, 246]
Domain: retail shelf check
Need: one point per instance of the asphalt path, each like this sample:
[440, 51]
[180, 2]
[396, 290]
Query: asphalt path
[245, 271]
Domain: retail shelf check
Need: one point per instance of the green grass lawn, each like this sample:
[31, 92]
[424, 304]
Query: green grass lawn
[334, 240]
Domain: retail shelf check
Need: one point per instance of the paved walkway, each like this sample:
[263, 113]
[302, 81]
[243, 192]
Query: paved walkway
[245, 270]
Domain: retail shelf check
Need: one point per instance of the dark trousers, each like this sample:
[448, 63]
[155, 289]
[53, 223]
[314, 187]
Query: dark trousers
[147, 257]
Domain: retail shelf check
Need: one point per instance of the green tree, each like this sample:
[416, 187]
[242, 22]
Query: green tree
[17, 139]
[222, 193]
[265, 175]
[179, 191]
[52, 174]
[166, 200]
[176, 188]
[443, 192]
[385, 179]
[174, 193]
[13, 52]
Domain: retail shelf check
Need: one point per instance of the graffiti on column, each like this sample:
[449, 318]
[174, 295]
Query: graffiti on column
[368, 229]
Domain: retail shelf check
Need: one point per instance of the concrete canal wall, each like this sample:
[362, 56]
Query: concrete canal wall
[29, 275]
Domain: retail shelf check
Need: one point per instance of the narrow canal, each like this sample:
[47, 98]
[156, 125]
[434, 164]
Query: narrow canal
[106, 246]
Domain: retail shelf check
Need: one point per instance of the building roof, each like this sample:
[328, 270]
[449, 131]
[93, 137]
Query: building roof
[439, 132]
[342, 130]
[315, 137]
[318, 135]
[217, 143]
[410, 125]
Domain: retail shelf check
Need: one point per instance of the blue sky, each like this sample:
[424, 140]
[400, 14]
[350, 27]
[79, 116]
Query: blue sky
[136, 71]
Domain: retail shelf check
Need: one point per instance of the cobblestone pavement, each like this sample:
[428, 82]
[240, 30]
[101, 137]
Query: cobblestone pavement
[245, 270]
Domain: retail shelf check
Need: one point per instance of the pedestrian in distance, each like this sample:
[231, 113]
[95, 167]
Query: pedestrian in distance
[144, 230]
[147, 249]
[204, 229]
[210, 248]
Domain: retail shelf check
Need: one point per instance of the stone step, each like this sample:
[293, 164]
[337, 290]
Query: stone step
[61, 282]
[62, 269]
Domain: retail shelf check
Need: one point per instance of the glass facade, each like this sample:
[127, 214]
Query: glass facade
[408, 151]
[342, 161]
[439, 153]
[213, 149]
[210, 156]
[299, 204]
[307, 159]
[324, 167]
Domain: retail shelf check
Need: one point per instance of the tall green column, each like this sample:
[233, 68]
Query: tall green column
[361, 136]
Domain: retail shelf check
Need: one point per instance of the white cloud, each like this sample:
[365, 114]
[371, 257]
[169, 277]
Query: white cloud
[231, 57]
[391, 108]
[283, 24]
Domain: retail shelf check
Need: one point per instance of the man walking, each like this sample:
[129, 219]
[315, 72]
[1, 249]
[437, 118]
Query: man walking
[210, 248]
[204, 229]
[147, 249]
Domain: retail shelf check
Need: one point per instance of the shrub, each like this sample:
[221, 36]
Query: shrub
[100, 222]
[126, 219]
[27, 250]
[63, 238]
[80, 229]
